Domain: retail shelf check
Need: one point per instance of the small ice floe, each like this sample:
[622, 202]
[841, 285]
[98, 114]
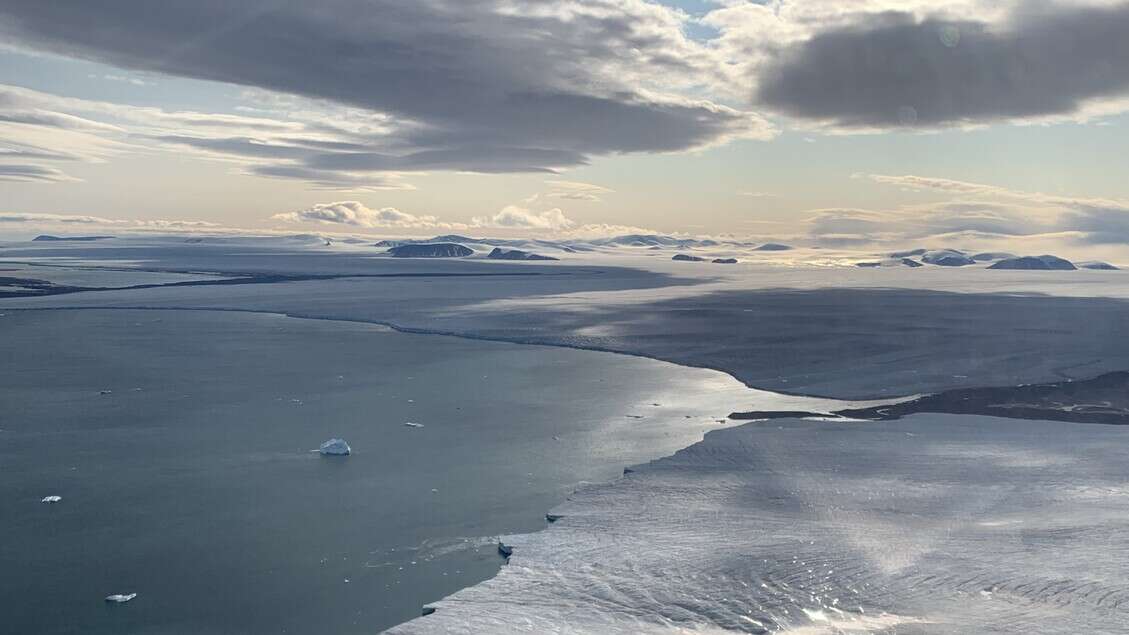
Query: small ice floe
[51, 499]
[120, 598]
[335, 447]
[105, 392]
[412, 424]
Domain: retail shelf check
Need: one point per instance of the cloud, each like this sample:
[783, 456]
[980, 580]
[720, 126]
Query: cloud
[357, 214]
[121, 78]
[996, 215]
[516, 217]
[32, 173]
[66, 219]
[1100, 225]
[472, 85]
[576, 191]
[951, 186]
[898, 70]
[41, 219]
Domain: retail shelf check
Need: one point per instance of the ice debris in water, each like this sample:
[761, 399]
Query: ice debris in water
[120, 597]
[51, 499]
[335, 447]
[411, 424]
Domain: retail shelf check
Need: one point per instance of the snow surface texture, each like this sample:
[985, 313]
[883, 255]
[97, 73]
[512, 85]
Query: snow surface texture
[932, 524]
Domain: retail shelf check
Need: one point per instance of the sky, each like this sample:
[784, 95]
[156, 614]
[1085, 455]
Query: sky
[831, 123]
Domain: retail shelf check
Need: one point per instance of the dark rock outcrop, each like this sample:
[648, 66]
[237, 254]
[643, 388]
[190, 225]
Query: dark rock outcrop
[687, 258]
[431, 250]
[773, 247]
[725, 261]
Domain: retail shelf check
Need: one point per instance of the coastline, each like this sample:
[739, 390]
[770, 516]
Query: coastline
[766, 527]
[489, 327]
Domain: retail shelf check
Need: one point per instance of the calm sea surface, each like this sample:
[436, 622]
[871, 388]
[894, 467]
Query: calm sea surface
[180, 444]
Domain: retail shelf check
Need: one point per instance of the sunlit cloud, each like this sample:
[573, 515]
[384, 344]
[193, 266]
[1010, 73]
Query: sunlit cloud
[358, 214]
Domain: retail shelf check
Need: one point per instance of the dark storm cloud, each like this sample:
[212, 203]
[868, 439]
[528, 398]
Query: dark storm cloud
[895, 71]
[481, 89]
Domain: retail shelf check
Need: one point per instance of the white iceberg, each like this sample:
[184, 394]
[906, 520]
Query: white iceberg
[335, 447]
[411, 424]
[119, 598]
[51, 499]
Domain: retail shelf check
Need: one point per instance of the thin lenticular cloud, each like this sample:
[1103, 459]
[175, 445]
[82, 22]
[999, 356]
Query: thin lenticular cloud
[31, 172]
[576, 191]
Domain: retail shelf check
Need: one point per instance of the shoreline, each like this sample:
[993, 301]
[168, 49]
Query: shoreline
[625, 467]
[559, 511]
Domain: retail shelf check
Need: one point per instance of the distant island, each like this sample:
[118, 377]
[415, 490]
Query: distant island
[430, 250]
[49, 238]
[1046, 262]
[516, 254]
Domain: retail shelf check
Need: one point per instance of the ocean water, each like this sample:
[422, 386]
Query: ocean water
[180, 443]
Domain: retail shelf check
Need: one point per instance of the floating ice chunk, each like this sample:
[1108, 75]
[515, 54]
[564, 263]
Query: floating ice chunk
[411, 424]
[51, 499]
[119, 598]
[335, 447]
[105, 392]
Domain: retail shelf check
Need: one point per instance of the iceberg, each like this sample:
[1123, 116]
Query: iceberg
[120, 598]
[335, 447]
[51, 499]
